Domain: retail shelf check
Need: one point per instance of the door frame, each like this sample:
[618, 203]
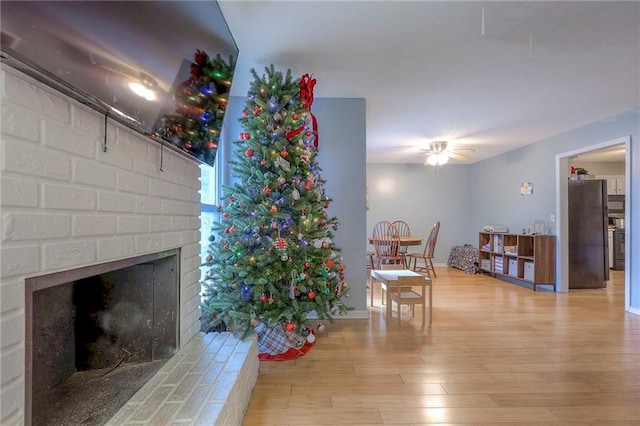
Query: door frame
[562, 213]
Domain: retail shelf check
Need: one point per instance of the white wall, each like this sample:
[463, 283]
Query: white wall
[67, 204]
[342, 156]
[420, 195]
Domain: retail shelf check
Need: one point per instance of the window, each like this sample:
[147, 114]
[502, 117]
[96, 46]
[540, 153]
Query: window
[209, 190]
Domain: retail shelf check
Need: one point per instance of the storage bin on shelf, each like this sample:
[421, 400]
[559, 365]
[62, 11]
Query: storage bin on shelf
[513, 267]
[528, 271]
[497, 264]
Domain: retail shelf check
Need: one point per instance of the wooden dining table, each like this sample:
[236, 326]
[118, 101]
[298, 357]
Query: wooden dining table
[404, 241]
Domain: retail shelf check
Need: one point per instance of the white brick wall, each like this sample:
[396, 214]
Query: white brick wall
[65, 204]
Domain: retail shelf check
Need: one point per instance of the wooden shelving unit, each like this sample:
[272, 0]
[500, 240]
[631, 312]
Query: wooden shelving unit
[529, 258]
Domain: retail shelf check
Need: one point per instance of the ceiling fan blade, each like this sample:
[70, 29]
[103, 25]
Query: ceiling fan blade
[464, 149]
[459, 157]
[410, 157]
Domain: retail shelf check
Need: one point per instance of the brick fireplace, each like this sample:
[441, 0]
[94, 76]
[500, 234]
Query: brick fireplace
[84, 324]
[67, 204]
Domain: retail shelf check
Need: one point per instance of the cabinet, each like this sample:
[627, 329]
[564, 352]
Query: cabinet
[528, 258]
[615, 184]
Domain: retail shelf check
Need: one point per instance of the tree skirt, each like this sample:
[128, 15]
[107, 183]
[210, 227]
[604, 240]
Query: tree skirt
[276, 344]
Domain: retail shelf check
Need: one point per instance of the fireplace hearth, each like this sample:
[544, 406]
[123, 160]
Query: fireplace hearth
[95, 335]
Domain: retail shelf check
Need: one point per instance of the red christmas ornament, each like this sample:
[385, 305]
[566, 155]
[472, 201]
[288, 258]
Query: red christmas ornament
[330, 263]
[266, 190]
[290, 327]
[308, 184]
[244, 112]
[307, 264]
[341, 268]
[263, 298]
[295, 116]
[210, 144]
[326, 206]
[225, 215]
[280, 244]
[274, 209]
[263, 162]
[232, 229]
[284, 153]
[187, 145]
[256, 110]
[249, 153]
[311, 294]
[247, 136]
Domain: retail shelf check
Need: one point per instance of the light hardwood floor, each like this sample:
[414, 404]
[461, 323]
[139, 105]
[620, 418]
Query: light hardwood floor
[496, 354]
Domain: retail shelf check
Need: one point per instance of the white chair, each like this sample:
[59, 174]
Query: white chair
[402, 292]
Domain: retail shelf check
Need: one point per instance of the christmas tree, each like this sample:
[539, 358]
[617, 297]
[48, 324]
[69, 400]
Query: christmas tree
[200, 104]
[272, 260]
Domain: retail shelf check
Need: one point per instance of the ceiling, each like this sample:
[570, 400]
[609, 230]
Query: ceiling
[491, 76]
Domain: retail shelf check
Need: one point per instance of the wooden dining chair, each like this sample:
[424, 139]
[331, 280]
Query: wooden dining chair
[404, 232]
[427, 255]
[386, 243]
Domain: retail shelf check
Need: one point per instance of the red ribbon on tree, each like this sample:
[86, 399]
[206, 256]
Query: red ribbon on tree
[306, 95]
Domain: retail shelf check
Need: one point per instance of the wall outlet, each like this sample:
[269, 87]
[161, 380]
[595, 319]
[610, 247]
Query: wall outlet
[552, 218]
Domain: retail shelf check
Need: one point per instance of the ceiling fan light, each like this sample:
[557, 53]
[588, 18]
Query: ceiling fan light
[443, 159]
[432, 159]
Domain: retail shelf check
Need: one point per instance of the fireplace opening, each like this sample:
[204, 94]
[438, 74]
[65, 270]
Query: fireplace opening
[96, 335]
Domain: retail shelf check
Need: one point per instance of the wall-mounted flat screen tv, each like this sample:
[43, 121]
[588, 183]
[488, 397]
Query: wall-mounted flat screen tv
[162, 67]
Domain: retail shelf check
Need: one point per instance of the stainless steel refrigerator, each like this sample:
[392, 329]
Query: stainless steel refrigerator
[588, 239]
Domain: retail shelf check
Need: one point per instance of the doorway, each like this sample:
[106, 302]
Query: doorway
[562, 208]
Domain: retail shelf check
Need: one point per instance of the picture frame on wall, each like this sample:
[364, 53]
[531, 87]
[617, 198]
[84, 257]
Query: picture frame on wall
[526, 188]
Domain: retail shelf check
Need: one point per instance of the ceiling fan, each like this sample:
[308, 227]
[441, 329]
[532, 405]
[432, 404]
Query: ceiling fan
[439, 153]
